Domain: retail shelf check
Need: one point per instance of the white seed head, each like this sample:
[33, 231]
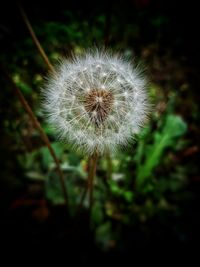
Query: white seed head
[96, 101]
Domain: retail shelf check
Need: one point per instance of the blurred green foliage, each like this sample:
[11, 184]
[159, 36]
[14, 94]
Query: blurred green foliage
[173, 128]
[148, 179]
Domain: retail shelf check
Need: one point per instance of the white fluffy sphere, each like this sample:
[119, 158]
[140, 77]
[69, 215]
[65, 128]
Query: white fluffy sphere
[96, 101]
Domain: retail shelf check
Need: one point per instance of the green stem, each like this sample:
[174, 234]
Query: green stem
[109, 165]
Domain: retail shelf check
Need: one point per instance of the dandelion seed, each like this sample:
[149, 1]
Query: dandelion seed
[96, 101]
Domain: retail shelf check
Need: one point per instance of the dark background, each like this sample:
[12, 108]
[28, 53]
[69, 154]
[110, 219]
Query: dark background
[149, 201]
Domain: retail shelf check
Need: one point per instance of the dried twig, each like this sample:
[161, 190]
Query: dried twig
[27, 107]
[35, 39]
[37, 125]
[107, 25]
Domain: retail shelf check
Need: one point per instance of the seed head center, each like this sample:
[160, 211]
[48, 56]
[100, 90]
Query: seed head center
[98, 104]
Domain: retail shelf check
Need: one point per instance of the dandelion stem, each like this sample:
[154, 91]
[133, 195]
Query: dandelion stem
[91, 175]
[35, 39]
[109, 165]
[85, 189]
[38, 126]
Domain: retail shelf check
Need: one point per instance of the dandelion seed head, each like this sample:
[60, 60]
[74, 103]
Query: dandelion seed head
[96, 102]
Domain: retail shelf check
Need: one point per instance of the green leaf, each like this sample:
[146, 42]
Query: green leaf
[174, 127]
[33, 175]
[128, 195]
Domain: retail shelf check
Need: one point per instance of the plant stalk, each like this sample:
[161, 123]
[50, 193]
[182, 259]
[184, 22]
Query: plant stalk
[35, 39]
[44, 136]
[91, 175]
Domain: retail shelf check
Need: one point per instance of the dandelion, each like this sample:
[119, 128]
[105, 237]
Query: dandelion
[96, 102]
